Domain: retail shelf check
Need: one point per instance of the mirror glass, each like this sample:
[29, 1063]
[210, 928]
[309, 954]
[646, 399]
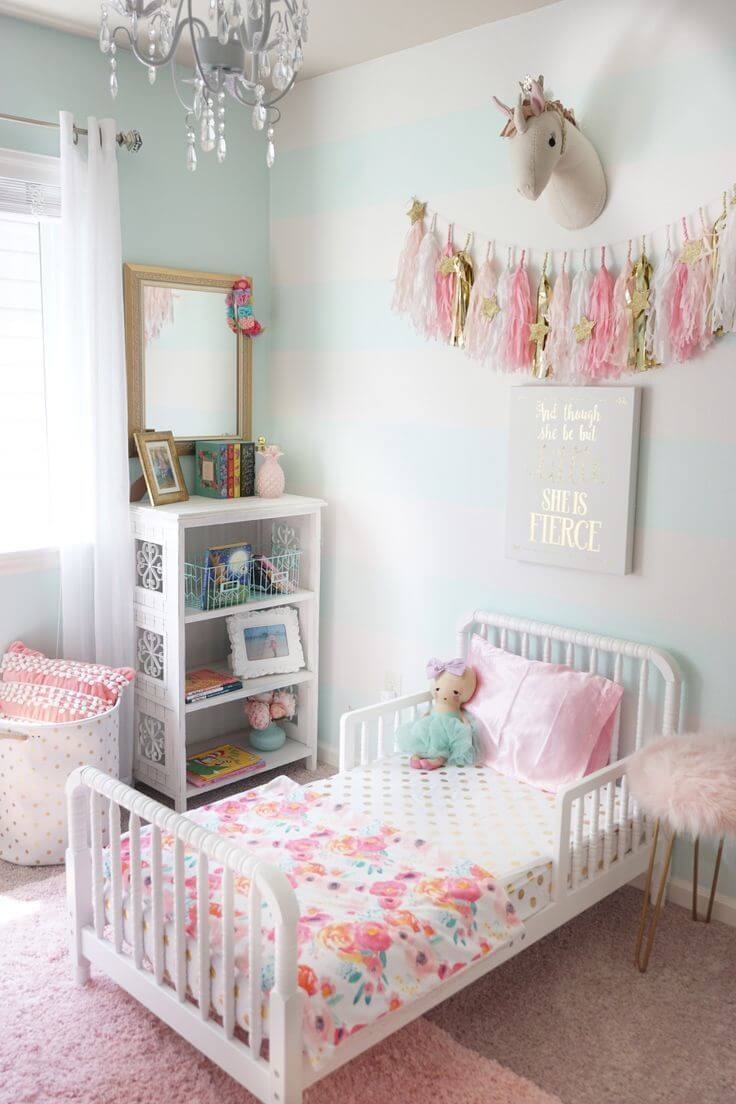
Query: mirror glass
[190, 362]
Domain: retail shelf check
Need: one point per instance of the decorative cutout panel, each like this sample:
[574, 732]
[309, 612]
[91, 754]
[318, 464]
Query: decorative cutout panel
[149, 565]
[151, 735]
[150, 653]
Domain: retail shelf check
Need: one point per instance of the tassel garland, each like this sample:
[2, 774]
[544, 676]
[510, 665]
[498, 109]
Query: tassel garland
[593, 326]
[517, 346]
[482, 312]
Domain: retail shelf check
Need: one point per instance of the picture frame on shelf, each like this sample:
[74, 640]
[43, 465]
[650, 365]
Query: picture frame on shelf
[265, 642]
[161, 468]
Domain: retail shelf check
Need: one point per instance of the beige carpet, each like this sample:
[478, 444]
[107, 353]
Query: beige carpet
[573, 1015]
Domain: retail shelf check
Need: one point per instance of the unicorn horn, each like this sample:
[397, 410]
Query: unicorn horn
[536, 97]
[519, 119]
[503, 108]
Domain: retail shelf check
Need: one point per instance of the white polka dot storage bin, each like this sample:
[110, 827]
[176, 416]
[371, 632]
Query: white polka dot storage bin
[35, 761]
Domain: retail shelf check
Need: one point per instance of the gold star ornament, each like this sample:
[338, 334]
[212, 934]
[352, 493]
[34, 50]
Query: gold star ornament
[417, 210]
[640, 300]
[490, 308]
[538, 330]
[583, 329]
[692, 251]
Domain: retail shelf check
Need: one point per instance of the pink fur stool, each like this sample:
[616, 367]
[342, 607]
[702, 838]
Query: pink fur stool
[688, 785]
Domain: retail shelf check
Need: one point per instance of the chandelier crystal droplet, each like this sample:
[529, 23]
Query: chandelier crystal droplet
[248, 52]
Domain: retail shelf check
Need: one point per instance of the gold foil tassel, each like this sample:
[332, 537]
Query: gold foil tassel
[461, 264]
[637, 309]
[714, 236]
[539, 329]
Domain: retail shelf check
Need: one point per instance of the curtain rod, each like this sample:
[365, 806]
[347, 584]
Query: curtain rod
[131, 139]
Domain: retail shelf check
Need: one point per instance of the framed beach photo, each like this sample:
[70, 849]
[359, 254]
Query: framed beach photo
[161, 468]
[265, 642]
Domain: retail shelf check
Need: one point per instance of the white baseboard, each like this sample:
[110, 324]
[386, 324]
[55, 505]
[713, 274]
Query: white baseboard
[679, 891]
[329, 754]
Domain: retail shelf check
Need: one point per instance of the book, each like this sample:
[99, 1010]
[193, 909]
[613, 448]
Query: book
[225, 468]
[247, 469]
[226, 575]
[210, 469]
[206, 683]
[225, 761]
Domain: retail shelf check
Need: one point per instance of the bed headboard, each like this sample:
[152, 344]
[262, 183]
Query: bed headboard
[650, 677]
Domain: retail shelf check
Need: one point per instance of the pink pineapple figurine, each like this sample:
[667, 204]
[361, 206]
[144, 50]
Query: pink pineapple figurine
[270, 479]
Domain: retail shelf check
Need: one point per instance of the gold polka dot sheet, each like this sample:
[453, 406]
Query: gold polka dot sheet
[475, 813]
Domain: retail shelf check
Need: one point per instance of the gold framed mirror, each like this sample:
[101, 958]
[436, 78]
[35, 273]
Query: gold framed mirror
[187, 372]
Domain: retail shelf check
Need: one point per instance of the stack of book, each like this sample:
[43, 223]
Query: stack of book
[224, 762]
[225, 468]
[206, 683]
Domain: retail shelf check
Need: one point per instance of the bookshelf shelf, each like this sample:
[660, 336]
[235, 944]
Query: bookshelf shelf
[172, 637]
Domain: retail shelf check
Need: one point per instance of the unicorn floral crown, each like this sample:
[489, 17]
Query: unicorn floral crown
[532, 102]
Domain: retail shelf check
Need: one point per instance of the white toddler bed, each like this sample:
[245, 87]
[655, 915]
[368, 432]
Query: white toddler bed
[554, 855]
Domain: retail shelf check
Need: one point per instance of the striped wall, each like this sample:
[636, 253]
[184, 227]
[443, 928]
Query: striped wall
[408, 441]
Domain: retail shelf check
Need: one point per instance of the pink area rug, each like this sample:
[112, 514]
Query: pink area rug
[96, 1045]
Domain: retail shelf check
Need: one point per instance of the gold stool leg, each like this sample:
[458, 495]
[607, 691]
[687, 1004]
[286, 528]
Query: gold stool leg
[642, 961]
[714, 883]
[696, 852]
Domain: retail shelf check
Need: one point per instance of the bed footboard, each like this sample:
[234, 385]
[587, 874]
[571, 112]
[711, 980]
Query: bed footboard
[111, 935]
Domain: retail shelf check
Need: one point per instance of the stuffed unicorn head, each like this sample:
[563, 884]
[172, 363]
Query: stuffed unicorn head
[550, 154]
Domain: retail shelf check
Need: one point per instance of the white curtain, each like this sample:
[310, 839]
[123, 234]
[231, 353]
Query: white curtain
[87, 413]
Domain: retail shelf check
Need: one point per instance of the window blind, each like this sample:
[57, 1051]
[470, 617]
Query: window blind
[24, 197]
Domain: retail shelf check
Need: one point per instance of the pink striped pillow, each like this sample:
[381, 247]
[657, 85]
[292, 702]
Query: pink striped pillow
[22, 664]
[26, 701]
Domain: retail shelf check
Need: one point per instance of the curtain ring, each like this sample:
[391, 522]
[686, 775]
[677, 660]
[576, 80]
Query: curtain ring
[75, 134]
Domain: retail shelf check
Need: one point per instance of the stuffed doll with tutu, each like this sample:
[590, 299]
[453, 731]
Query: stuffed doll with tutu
[445, 734]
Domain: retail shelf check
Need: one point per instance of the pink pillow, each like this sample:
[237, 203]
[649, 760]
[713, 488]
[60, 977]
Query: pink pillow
[22, 664]
[542, 723]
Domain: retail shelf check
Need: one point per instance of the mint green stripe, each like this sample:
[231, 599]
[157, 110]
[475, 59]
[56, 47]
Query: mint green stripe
[685, 486]
[463, 149]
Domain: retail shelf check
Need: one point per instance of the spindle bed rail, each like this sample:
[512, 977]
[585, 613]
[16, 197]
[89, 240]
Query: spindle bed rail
[615, 854]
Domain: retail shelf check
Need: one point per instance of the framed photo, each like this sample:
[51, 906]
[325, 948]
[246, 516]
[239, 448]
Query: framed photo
[265, 642]
[161, 468]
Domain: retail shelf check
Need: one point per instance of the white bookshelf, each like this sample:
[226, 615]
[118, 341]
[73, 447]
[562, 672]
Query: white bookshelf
[173, 637]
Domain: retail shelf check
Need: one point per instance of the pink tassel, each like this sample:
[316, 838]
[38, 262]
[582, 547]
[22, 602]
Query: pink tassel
[444, 290]
[404, 284]
[558, 347]
[478, 325]
[423, 306]
[517, 347]
[618, 356]
[596, 364]
[678, 322]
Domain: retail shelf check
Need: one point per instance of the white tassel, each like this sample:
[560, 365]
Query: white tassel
[724, 294]
[495, 344]
[423, 307]
[579, 305]
[660, 312]
[478, 326]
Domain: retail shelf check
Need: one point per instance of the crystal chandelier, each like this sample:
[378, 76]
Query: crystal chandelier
[251, 51]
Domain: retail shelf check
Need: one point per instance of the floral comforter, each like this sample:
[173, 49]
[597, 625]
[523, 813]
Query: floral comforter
[384, 919]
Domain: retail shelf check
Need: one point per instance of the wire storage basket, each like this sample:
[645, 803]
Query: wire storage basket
[209, 586]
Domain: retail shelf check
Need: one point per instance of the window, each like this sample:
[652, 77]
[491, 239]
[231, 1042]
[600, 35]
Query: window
[28, 209]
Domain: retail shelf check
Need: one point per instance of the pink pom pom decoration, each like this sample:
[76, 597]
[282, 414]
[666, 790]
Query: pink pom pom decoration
[517, 346]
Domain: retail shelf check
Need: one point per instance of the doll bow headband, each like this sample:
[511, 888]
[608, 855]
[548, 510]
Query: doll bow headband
[435, 667]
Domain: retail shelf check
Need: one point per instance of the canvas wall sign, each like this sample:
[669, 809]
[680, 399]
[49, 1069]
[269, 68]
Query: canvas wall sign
[572, 476]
